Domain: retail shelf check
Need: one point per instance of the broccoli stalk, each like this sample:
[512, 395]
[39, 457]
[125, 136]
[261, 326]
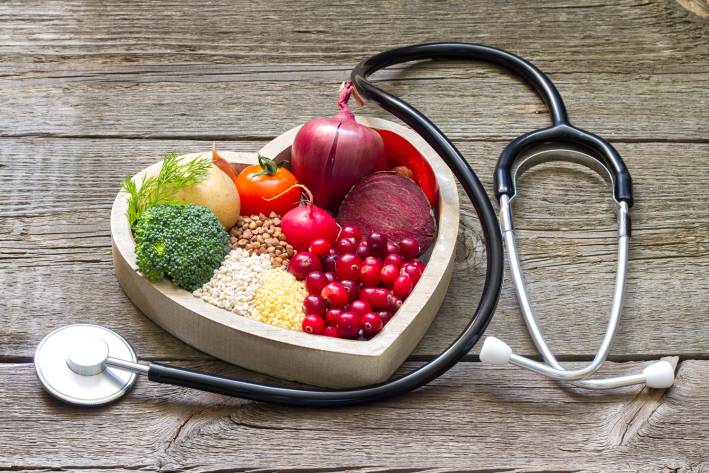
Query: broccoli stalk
[185, 243]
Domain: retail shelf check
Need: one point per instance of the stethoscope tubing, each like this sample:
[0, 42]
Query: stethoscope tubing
[560, 131]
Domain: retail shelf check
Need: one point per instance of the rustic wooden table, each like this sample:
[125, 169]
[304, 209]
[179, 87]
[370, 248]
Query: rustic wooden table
[92, 91]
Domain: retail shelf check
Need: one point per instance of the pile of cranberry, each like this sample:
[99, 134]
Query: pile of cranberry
[357, 286]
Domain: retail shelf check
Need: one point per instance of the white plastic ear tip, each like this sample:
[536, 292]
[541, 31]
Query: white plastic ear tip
[495, 352]
[659, 375]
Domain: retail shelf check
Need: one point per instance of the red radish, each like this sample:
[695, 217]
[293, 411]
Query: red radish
[308, 222]
[330, 154]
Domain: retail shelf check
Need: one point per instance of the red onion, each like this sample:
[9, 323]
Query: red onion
[330, 154]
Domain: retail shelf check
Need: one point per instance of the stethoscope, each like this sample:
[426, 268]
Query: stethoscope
[91, 365]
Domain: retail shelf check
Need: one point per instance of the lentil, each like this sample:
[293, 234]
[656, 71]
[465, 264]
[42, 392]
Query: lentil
[259, 235]
[279, 300]
[235, 283]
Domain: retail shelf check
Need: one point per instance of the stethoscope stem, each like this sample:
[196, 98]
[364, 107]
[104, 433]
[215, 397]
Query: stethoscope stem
[138, 368]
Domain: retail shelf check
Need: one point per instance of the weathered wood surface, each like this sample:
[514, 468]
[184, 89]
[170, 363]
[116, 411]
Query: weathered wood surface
[54, 235]
[86, 84]
[474, 418]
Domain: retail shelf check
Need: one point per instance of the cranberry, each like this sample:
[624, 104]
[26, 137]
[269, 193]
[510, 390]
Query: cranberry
[313, 324]
[380, 299]
[315, 281]
[319, 247]
[388, 274]
[371, 324]
[374, 261]
[410, 248]
[419, 264]
[394, 304]
[314, 304]
[377, 242]
[332, 316]
[360, 307]
[335, 294]
[412, 271]
[367, 294]
[349, 325]
[393, 258]
[403, 287]
[331, 331]
[369, 275]
[304, 263]
[330, 276]
[346, 245]
[328, 263]
[392, 248]
[347, 266]
[363, 249]
[385, 315]
[352, 288]
[350, 231]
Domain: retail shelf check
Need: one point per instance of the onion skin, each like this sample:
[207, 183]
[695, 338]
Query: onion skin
[306, 223]
[330, 154]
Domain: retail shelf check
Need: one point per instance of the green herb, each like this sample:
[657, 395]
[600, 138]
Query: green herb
[161, 189]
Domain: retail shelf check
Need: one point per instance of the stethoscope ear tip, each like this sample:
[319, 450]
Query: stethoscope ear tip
[495, 352]
[659, 375]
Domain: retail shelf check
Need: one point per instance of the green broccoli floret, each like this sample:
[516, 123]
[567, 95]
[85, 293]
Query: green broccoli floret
[183, 242]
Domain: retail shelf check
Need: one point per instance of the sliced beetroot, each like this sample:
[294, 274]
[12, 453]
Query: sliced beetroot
[389, 203]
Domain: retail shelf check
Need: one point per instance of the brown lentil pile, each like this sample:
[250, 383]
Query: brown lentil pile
[259, 235]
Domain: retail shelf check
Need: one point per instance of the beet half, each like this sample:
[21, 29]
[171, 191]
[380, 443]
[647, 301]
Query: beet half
[391, 204]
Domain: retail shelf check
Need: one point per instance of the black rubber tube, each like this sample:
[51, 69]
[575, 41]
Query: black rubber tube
[475, 192]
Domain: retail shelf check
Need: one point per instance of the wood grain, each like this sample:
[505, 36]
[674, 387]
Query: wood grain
[561, 35]
[235, 101]
[54, 237]
[85, 84]
[466, 412]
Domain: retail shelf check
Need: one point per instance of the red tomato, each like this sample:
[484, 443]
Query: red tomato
[403, 154]
[267, 187]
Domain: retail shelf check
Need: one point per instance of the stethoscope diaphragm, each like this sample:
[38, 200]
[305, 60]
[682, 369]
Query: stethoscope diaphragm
[70, 364]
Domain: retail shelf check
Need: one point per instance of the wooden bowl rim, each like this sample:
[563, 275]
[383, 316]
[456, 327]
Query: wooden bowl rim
[441, 252]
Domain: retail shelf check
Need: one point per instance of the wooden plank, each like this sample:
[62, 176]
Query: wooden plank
[477, 419]
[54, 238]
[624, 36]
[467, 101]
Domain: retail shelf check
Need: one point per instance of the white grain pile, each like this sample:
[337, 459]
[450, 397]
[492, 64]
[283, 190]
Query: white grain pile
[235, 282]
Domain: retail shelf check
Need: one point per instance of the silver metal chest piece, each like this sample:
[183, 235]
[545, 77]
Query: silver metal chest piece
[70, 364]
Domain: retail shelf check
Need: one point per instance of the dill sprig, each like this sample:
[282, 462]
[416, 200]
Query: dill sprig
[161, 188]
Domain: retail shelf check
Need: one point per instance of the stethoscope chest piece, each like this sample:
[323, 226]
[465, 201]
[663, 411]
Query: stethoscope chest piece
[71, 365]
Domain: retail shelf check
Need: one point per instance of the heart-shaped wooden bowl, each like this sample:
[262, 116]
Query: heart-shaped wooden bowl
[311, 359]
